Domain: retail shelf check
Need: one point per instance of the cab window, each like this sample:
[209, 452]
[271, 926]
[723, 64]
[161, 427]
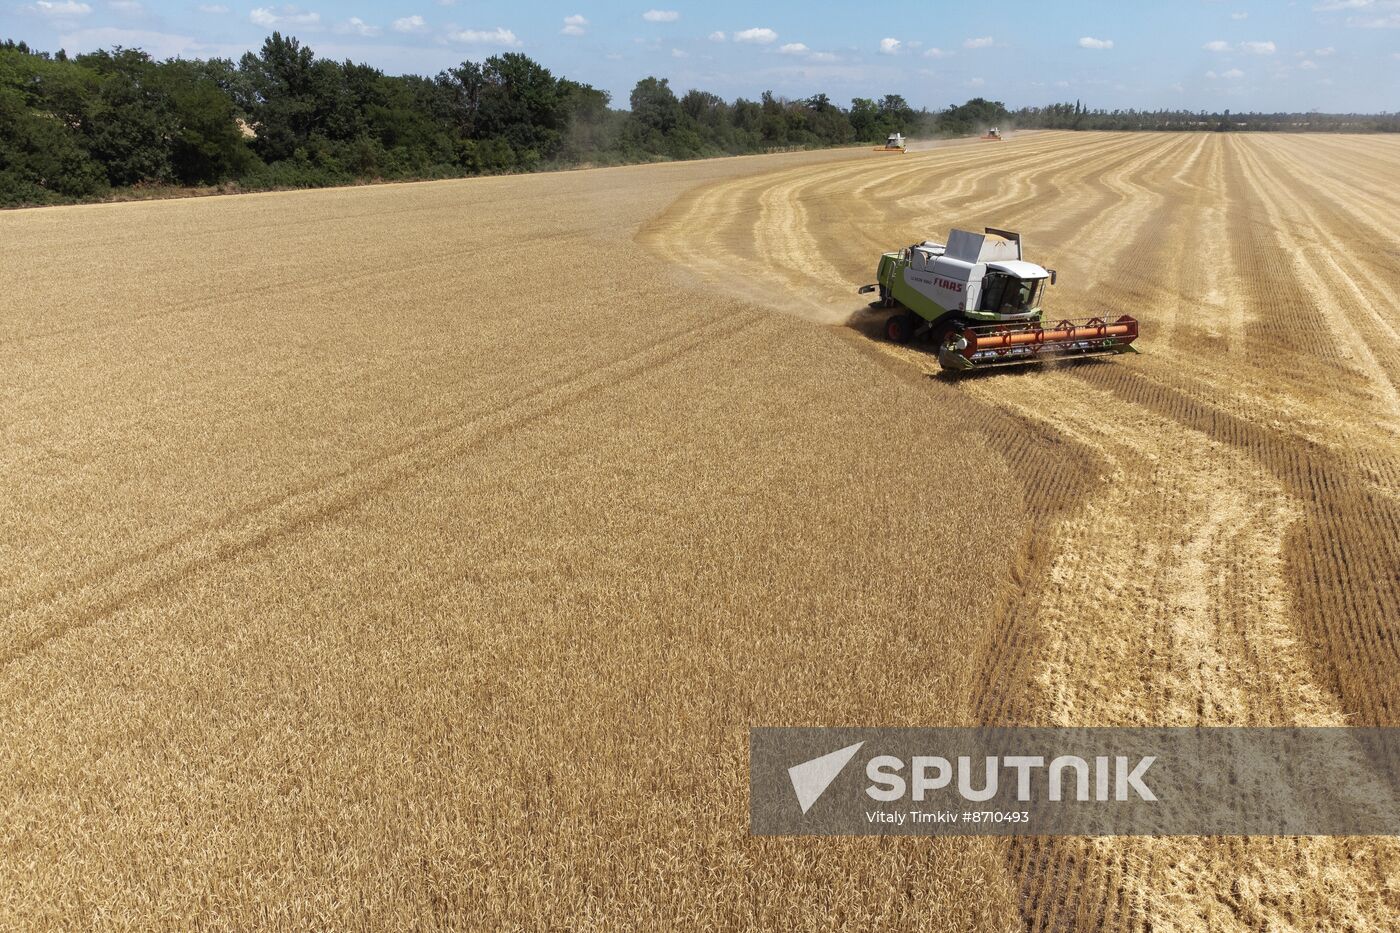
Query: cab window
[993, 288]
[1006, 294]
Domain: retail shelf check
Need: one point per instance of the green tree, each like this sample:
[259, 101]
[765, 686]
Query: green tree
[279, 95]
[896, 116]
[43, 146]
[207, 145]
[654, 105]
[129, 120]
[522, 104]
[865, 119]
[974, 116]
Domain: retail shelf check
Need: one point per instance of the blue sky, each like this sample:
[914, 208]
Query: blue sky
[1334, 55]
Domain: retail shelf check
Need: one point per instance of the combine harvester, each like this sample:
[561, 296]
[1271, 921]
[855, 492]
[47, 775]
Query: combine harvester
[979, 301]
[992, 135]
[895, 143]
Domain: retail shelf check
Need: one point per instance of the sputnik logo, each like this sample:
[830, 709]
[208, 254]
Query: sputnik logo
[811, 778]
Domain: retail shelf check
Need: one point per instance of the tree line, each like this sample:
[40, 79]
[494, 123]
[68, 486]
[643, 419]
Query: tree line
[74, 128]
[1078, 117]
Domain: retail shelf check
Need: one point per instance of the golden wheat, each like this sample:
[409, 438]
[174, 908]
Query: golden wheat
[419, 556]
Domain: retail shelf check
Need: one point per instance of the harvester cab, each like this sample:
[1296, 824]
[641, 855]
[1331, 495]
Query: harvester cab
[981, 304]
[992, 135]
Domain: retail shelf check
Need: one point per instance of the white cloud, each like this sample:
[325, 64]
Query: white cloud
[981, 42]
[1217, 45]
[977, 82]
[213, 9]
[679, 53]
[757, 35]
[125, 7]
[1323, 53]
[824, 57]
[575, 25]
[497, 36]
[287, 16]
[62, 9]
[661, 16]
[936, 52]
[1308, 64]
[1388, 21]
[1231, 74]
[794, 48]
[358, 27]
[1240, 15]
[1089, 42]
[159, 44]
[717, 36]
[414, 23]
[1258, 48]
[1385, 20]
[890, 46]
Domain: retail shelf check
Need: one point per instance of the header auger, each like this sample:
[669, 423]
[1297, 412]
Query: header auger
[980, 303]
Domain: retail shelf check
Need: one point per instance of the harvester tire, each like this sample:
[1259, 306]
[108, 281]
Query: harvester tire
[900, 327]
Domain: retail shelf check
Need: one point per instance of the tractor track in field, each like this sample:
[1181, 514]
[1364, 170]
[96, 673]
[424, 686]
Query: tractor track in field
[1368, 341]
[735, 226]
[1178, 544]
[1180, 582]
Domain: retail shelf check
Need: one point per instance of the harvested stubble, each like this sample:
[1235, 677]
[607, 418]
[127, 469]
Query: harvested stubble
[420, 555]
[1214, 527]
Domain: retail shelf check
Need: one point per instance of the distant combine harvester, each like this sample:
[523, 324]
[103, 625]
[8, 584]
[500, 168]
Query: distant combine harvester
[895, 143]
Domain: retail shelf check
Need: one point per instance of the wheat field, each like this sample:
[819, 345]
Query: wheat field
[419, 556]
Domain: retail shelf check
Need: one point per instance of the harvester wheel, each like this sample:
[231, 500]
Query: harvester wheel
[900, 327]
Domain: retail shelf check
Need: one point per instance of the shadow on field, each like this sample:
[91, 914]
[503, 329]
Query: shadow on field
[1059, 364]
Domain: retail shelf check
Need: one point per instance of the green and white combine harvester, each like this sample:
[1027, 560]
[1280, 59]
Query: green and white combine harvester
[979, 301]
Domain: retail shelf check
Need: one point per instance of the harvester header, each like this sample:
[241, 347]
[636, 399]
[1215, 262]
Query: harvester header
[980, 302]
